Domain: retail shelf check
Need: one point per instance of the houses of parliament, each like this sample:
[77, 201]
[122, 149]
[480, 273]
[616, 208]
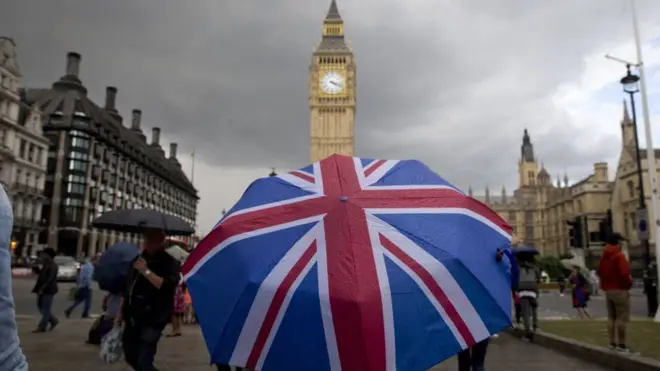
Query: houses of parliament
[538, 210]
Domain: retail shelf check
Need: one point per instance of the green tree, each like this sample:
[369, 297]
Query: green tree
[551, 265]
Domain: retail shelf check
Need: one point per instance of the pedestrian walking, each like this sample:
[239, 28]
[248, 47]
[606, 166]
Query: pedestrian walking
[474, 358]
[595, 282]
[147, 301]
[561, 281]
[517, 309]
[616, 281]
[580, 293]
[527, 289]
[189, 316]
[46, 289]
[178, 311]
[651, 288]
[11, 355]
[83, 288]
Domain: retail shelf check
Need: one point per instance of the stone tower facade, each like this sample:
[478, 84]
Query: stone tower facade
[528, 167]
[332, 91]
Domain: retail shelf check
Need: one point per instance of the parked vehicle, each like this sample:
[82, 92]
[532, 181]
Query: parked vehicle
[67, 268]
[173, 242]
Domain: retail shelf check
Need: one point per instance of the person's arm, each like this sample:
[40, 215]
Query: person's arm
[169, 277]
[11, 355]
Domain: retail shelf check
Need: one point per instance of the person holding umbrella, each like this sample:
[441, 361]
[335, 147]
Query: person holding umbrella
[527, 289]
[146, 306]
[321, 268]
[474, 357]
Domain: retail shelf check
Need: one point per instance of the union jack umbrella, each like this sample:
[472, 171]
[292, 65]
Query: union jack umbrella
[350, 264]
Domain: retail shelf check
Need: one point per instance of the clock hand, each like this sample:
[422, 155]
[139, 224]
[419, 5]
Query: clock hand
[334, 83]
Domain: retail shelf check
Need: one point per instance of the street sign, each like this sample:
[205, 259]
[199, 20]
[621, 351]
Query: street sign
[642, 224]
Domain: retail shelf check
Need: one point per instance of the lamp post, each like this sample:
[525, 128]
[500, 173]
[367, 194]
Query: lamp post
[630, 84]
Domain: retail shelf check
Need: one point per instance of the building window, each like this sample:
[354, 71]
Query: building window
[39, 156]
[75, 188]
[73, 214]
[78, 165]
[22, 148]
[79, 140]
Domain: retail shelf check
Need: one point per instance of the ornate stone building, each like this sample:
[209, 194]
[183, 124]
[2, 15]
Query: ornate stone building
[332, 91]
[23, 154]
[96, 164]
[538, 209]
[625, 194]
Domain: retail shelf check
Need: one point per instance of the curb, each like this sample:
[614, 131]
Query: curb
[21, 272]
[592, 354]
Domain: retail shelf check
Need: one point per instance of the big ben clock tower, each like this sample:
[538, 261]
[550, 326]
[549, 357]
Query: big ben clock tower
[332, 91]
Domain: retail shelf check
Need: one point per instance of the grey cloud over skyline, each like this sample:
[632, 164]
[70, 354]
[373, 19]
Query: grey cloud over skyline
[452, 83]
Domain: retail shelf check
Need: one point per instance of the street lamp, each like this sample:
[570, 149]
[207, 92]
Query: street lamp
[272, 173]
[630, 84]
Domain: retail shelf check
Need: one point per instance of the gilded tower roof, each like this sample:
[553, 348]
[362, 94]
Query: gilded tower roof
[333, 12]
[333, 43]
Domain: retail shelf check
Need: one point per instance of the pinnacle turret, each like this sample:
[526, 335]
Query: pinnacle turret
[333, 12]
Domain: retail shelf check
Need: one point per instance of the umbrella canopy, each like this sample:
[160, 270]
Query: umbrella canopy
[112, 267]
[351, 264]
[139, 220]
[575, 262]
[525, 250]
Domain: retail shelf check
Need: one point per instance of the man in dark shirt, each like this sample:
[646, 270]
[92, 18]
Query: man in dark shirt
[46, 288]
[148, 301]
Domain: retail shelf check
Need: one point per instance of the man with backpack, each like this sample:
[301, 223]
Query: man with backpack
[529, 276]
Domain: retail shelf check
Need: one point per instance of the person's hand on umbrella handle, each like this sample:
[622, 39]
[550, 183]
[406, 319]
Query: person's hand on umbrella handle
[119, 321]
[140, 265]
[499, 255]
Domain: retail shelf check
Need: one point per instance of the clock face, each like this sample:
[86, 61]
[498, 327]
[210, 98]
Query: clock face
[332, 83]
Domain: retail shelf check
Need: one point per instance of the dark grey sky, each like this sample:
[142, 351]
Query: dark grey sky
[452, 83]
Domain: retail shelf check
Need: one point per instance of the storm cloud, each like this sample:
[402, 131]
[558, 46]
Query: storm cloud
[452, 83]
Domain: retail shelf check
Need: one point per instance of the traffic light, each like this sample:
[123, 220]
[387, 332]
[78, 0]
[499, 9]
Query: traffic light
[605, 226]
[575, 233]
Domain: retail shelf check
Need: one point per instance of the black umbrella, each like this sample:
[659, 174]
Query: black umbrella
[139, 220]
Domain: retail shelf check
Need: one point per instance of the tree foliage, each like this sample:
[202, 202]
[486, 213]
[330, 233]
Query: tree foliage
[551, 265]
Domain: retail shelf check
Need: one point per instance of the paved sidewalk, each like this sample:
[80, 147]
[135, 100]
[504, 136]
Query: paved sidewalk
[64, 350]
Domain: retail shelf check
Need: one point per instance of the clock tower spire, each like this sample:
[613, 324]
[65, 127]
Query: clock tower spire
[332, 100]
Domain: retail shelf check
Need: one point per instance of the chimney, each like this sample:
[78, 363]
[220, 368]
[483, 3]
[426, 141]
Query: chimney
[135, 121]
[601, 172]
[72, 64]
[173, 147]
[110, 98]
[155, 137]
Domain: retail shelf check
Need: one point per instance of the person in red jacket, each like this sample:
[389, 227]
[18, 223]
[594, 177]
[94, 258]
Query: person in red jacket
[615, 281]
